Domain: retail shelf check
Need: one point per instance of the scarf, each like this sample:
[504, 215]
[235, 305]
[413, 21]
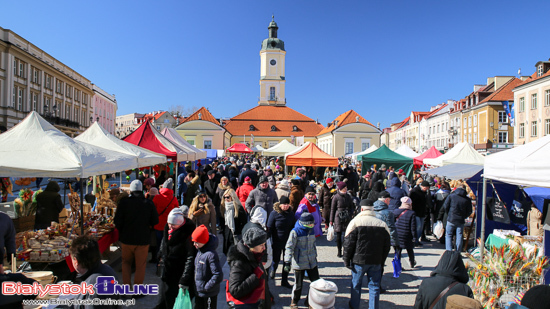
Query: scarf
[172, 230]
[310, 209]
[302, 230]
[258, 256]
[230, 216]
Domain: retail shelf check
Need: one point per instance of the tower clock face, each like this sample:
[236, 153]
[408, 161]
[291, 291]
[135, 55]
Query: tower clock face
[273, 62]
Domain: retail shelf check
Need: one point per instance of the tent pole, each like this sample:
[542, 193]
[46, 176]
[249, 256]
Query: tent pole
[81, 209]
[176, 178]
[483, 214]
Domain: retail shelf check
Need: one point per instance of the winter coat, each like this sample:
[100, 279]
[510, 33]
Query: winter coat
[449, 269]
[282, 190]
[264, 198]
[406, 227]
[210, 187]
[300, 248]
[377, 187]
[386, 215]
[182, 188]
[365, 189]
[367, 240]
[208, 271]
[90, 277]
[260, 222]
[164, 202]
[250, 173]
[220, 190]
[279, 225]
[340, 202]
[534, 224]
[245, 281]
[419, 203]
[396, 193]
[296, 195]
[178, 254]
[313, 209]
[134, 217]
[233, 176]
[325, 196]
[229, 236]
[192, 188]
[440, 197]
[270, 178]
[458, 206]
[208, 219]
[49, 205]
[244, 191]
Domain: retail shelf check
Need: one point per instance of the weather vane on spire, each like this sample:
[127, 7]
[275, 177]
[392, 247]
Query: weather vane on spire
[272, 17]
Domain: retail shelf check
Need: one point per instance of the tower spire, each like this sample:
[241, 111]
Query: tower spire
[272, 27]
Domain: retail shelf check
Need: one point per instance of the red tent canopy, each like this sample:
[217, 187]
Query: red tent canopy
[240, 148]
[311, 155]
[428, 154]
[149, 138]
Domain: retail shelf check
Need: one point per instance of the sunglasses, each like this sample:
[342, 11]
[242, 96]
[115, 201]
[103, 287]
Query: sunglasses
[202, 195]
[227, 197]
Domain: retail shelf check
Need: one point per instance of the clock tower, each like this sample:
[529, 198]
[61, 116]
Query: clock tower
[272, 76]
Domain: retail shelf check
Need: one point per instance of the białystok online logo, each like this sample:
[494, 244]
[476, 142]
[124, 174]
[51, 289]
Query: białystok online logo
[105, 285]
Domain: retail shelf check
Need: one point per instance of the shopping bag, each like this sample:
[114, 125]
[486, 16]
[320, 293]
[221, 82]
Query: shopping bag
[183, 301]
[330, 233]
[396, 265]
[438, 229]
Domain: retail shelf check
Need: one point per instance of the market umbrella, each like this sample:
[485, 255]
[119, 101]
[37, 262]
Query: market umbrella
[239, 148]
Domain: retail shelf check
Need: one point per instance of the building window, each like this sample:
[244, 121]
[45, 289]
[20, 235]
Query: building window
[349, 147]
[437, 128]
[521, 130]
[294, 128]
[475, 138]
[207, 145]
[48, 81]
[502, 117]
[522, 104]
[191, 141]
[364, 146]
[158, 128]
[59, 87]
[251, 127]
[470, 121]
[35, 76]
[34, 101]
[547, 98]
[539, 71]
[273, 128]
[20, 100]
[21, 69]
[503, 137]
[534, 101]
[14, 96]
[76, 114]
[15, 67]
[533, 128]
[469, 138]
[271, 93]
[547, 127]
[475, 120]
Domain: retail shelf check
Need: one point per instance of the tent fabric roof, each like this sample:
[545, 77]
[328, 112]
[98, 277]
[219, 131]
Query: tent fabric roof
[98, 136]
[35, 148]
[406, 151]
[384, 153]
[149, 138]
[282, 148]
[310, 155]
[366, 151]
[240, 148]
[460, 153]
[258, 148]
[428, 154]
[456, 171]
[526, 165]
[193, 152]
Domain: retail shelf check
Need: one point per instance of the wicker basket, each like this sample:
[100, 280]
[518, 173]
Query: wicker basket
[23, 224]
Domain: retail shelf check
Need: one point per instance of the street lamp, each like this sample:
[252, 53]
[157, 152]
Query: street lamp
[91, 119]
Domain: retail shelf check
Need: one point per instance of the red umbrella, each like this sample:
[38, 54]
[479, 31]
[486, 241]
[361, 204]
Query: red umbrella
[240, 148]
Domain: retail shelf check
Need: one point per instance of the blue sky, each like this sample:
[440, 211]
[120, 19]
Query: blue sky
[380, 58]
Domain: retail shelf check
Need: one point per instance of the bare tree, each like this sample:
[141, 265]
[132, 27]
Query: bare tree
[190, 110]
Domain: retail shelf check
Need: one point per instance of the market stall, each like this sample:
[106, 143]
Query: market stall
[428, 154]
[460, 153]
[282, 148]
[455, 171]
[239, 148]
[384, 155]
[310, 155]
[406, 151]
[193, 152]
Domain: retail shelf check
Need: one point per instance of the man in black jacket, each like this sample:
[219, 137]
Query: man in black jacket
[366, 246]
[7, 239]
[419, 206]
[458, 207]
[134, 218]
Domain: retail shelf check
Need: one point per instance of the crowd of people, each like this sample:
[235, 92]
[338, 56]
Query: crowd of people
[263, 218]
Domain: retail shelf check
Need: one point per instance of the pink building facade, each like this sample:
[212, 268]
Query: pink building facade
[104, 109]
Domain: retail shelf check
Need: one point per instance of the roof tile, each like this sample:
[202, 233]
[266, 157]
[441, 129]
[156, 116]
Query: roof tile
[504, 93]
[344, 119]
[205, 115]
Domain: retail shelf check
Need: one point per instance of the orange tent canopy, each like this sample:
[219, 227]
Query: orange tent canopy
[311, 155]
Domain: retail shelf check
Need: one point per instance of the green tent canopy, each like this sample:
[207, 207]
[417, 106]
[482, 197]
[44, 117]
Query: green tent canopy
[384, 155]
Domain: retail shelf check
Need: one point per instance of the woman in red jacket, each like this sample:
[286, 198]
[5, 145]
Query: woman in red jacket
[165, 201]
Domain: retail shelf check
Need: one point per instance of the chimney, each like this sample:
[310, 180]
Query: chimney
[378, 125]
[356, 118]
[328, 124]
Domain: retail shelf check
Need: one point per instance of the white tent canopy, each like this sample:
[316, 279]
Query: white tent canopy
[526, 165]
[282, 148]
[406, 151]
[460, 153]
[98, 136]
[35, 148]
[257, 148]
[298, 149]
[193, 153]
[366, 151]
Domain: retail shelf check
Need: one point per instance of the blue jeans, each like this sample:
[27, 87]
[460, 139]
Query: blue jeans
[449, 230]
[374, 275]
[419, 228]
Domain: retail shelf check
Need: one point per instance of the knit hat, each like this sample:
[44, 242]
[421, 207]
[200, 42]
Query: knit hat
[254, 236]
[341, 185]
[536, 297]
[384, 194]
[406, 200]
[284, 182]
[382, 166]
[136, 186]
[168, 184]
[247, 179]
[200, 234]
[175, 217]
[263, 178]
[307, 219]
[322, 294]
[149, 182]
[400, 172]
[365, 202]
[284, 200]
[425, 183]
[329, 180]
[310, 189]
[184, 210]
[153, 191]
